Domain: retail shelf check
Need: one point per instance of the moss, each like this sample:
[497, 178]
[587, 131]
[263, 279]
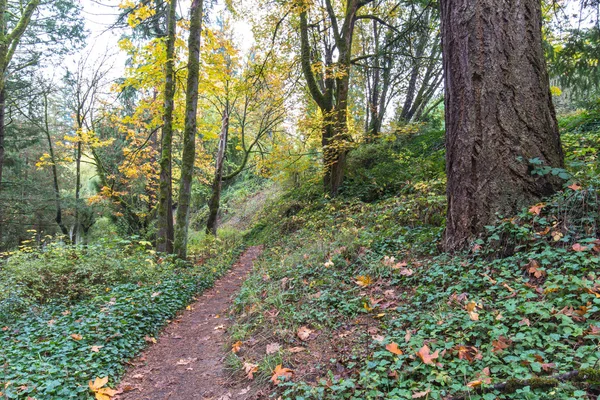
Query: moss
[542, 383]
[588, 375]
[512, 385]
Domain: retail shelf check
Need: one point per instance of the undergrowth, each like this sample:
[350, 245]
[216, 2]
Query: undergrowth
[93, 308]
[390, 317]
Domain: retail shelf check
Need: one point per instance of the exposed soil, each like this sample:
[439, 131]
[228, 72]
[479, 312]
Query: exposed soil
[187, 362]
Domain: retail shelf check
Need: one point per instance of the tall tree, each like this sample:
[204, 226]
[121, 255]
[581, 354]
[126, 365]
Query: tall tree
[164, 238]
[329, 87]
[188, 157]
[499, 113]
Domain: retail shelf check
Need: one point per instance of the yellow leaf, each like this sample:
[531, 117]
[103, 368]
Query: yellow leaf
[363, 280]
[98, 383]
[76, 336]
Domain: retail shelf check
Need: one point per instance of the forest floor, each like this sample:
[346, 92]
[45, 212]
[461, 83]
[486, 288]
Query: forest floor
[188, 359]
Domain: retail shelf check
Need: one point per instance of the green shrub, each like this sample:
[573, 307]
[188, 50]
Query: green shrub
[65, 273]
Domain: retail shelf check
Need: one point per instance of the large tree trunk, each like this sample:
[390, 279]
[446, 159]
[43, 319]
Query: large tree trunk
[215, 199]
[499, 113]
[189, 136]
[164, 238]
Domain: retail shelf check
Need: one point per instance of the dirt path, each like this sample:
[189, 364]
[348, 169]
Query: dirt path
[187, 362]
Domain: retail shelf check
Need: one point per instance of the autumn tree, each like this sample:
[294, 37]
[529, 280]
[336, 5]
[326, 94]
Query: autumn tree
[188, 157]
[499, 113]
[326, 55]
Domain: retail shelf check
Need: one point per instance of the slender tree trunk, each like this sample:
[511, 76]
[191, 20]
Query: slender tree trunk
[499, 113]
[416, 63]
[373, 127]
[164, 239]
[75, 237]
[189, 136]
[58, 217]
[2, 132]
[215, 199]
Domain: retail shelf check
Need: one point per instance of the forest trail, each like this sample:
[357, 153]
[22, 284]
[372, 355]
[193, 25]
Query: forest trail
[187, 362]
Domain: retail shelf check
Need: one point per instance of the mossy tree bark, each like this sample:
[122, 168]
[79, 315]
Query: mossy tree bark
[164, 236]
[189, 135]
[499, 113]
[215, 199]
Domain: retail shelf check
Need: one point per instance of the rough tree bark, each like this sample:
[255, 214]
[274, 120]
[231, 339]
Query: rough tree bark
[164, 236]
[189, 135]
[499, 113]
[215, 199]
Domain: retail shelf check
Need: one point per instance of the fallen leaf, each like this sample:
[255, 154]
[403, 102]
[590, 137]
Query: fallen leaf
[425, 356]
[273, 348]
[557, 236]
[469, 353]
[219, 327]
[481, 378]
[363, 280]
[378, 338]
[97, 383]
[533, 269]
[101, 392]
[280, 373]
[594, 330]
[76, 336]
[501, 344]
[185, 361]
[393, 348]
[578, 247]
[296, 349]
[537, 208]
[250, 369]
[548, 366]
[96, 349]
[236, 346]
[418, 395]
[574, 186]
[304, 333]
[149, 339]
